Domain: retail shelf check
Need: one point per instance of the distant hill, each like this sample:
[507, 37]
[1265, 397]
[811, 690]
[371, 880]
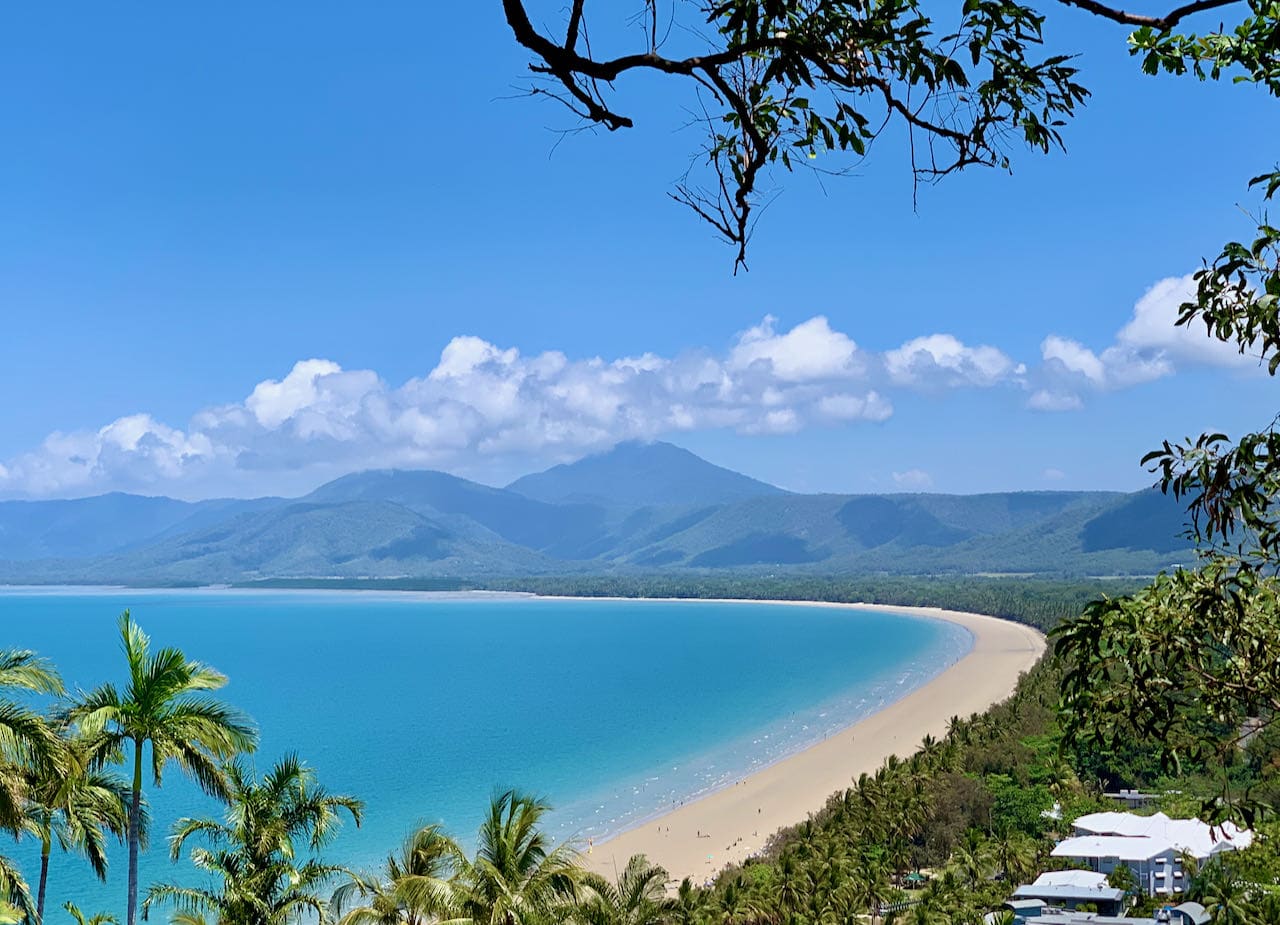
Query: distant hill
[633, 475]
[105, 523]
[304, 540]
[638, 509]
[1039, 532]
[1148, 519]
[563, 530]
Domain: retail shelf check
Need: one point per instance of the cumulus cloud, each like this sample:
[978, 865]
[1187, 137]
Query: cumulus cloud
[1152, 328]
[1053, 475]
[479, 402]
[845, 407]
[1073, 357]
[808, 351]
[943, 360]
[1149, 346]
[484, 407]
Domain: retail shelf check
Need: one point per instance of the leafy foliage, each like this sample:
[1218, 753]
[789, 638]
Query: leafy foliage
[165, 706]
[1191, 661]
[262, 852]
[785, 82]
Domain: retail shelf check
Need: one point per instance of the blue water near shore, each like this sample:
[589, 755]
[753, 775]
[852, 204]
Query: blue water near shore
[423, 705]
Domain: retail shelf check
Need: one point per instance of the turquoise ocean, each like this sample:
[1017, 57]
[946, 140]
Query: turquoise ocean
[424, 705]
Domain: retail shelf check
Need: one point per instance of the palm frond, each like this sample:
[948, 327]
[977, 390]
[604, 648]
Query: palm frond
[22, 669]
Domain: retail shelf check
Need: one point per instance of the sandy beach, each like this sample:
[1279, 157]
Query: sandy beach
[698, 839]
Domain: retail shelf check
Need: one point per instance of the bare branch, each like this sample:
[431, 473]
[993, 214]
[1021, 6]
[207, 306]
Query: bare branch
[1162, 23]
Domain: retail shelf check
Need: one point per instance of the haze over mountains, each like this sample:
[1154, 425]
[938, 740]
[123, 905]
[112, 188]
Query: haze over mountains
[639, 508]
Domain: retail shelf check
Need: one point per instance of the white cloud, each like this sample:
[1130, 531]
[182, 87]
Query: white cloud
[845, 407]
[808, 351]
[913, 478]
[1149, 346]
[273, 402]
[943, 360]
[1053, 475]
[483, 406]
[479, 403]
[1074, 357]
[1153, 328]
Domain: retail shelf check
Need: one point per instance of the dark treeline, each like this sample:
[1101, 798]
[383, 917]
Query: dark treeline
[1038, 602]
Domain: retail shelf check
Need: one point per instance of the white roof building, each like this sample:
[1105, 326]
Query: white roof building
[1152, 847]
[1076, 879]
[1191, 836]
[1135, 848]
[1072, 888]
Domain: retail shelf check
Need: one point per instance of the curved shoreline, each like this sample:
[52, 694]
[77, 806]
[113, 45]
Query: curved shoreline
[728, 825]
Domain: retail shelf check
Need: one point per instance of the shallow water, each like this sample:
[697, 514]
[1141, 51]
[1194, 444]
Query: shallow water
[423, 705]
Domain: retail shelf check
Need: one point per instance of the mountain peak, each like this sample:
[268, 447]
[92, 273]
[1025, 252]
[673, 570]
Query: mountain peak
[637, 474]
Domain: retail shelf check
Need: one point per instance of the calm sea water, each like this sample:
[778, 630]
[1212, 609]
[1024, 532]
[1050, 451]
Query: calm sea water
[423, 705]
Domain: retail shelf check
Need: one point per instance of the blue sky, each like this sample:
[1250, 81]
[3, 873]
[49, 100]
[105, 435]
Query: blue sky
[197, 201]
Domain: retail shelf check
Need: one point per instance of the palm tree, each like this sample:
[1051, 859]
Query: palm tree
[71, 803]
[689, 904]
[1014, 854]
[638, 897]
[17, 904]
[516, 877]
[870, 886]
[1223, 896]
[165, 705]
[415, 885]
[254, 849]
[1268, 909]
[971, 860]
[734, 905]
[790, 887]
[98, 918]
[26, 743]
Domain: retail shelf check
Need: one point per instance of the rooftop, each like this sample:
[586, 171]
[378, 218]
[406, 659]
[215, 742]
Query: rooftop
[1068, 893]
[1082, 879]
[1069, 885]
[1056, 917]
[1135, 848]
[1192, 836]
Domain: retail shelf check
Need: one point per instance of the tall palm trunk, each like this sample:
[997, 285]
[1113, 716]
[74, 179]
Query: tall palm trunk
[135, 812]
[45, 850]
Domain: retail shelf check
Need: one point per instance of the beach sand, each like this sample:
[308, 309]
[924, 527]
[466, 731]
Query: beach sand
[698, 839]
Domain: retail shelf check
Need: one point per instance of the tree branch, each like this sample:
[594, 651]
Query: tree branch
[1162, 23]
[575, 20]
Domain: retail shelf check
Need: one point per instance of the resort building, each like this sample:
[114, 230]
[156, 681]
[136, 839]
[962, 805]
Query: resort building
[1071, 889]
[1152, 847]
[1024, 914]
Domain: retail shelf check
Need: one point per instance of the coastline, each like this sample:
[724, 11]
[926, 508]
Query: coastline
[702, 837]
[726, 825]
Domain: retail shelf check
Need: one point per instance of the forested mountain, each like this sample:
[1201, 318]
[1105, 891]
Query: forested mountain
[638, 509]
[106, 523]
[633, 475]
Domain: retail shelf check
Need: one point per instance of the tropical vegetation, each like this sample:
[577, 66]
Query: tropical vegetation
[940, 836]
[165, 707]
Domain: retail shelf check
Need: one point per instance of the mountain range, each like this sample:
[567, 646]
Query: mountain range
[639, 508]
